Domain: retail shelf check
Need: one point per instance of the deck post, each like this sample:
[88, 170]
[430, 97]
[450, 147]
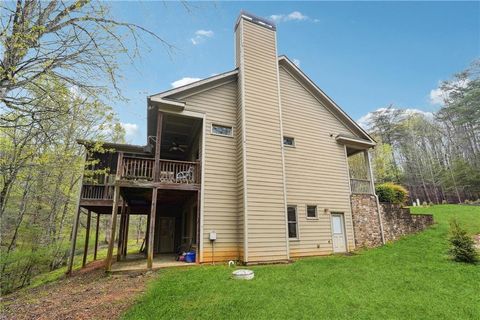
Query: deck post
[158, 143]
[76, 220]
[74, 240]
[87, 238]
[113, 223]
[121, 232]
[151, 231]
[95, 249]
[125, 238]
[147, 232]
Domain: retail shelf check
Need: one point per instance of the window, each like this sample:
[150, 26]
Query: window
[312, 211]
[289, 141]
[222, 130]
[292, 222]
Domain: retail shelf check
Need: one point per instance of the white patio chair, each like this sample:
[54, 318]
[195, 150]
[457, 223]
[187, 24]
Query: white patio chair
[185, 176]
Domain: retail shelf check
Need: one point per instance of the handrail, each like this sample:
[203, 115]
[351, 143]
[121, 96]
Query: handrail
[169, 171]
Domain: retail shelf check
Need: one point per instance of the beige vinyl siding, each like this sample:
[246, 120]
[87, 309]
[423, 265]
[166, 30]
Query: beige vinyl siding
[264, 188]
[221, 185]
[316, 172]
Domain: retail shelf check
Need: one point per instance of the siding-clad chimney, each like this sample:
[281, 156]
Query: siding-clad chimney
[261, 162]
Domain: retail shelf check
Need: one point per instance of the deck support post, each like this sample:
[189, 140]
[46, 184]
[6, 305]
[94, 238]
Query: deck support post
[125, 238]
[121, 232]
[76, 221]
[151, 230]
[74, 240]
[87, 238]
[113, 223]
[95, 249]
[147, 233]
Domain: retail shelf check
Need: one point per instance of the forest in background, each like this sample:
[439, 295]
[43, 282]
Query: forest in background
[54, 57]
[436, 156]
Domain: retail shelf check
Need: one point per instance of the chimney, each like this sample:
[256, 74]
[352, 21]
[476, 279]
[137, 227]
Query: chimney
[264, 197]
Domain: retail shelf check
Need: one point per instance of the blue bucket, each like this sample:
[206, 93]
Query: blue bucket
[190, 257]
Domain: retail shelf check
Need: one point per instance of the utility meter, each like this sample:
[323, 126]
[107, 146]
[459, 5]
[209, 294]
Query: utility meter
[213, 236]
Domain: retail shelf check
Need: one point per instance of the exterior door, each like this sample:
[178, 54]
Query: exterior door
[338, 233]
[167, 234]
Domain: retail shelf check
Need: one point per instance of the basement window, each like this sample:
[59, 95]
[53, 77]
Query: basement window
[312, 212]
[292, 222]
[289, 141]
[220, 130]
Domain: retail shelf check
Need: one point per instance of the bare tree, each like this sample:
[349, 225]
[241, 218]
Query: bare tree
[77, 42]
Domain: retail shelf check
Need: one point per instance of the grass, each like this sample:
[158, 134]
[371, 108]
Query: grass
[409, 279]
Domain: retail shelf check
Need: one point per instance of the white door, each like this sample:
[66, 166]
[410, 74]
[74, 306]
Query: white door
[338, 233]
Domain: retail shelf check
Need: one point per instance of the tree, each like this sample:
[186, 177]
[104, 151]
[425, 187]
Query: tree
[76, 42]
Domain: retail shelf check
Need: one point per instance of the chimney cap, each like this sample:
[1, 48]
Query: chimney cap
[269, 24]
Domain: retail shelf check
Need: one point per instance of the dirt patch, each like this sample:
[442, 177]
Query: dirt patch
[87, 294]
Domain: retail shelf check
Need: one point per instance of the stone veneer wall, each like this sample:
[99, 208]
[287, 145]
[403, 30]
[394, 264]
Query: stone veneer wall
[396, 221]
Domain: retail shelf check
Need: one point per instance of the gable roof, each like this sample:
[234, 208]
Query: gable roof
[165, 98]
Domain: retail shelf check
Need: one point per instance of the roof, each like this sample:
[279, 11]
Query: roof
[167, 98]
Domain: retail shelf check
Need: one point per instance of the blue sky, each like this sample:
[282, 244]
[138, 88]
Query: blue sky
[364, 55]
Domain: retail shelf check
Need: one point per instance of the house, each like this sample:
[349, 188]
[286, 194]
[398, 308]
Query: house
[248, 165]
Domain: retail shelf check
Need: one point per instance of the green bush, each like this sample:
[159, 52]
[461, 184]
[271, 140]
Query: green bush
[462, 245]
[391, 193]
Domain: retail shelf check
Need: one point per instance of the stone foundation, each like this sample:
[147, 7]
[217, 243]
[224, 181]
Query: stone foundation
[395, 220]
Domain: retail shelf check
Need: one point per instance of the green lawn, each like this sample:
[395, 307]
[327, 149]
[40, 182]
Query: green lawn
[412, 278]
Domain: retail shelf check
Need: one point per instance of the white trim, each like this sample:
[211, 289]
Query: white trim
[284, 175]
[349, 195]
[297, 238]
[241, 78]
[231, 135]
[342, 214]
[287, 145]
[316, 212]
[193, 85]
[347, 117]
[171, 103]
[345, 140]
[202, 189]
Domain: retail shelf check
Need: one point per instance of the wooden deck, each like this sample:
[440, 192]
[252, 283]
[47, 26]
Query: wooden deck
[138, 263]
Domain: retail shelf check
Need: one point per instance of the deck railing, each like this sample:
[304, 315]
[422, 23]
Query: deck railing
[97, 191]
[361, 186]
[169, 171]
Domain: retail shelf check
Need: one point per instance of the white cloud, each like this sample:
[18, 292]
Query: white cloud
[201, 35]
[364, 121]
[296, 15]
[184, 81]
[296, 62]
[292, 16]
[131, 130]
[438, 96]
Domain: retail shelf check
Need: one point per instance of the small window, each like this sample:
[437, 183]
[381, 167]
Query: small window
[289, 141]
[292, 222]
[312, 211]
[222, 130]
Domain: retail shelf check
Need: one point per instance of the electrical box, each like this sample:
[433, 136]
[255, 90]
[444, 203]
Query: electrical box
[213, 236]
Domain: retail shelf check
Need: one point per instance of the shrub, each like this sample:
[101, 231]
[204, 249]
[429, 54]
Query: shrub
[392, 193]
[462, 245]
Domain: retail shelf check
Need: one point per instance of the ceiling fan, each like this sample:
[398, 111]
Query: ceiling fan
[177, 147]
